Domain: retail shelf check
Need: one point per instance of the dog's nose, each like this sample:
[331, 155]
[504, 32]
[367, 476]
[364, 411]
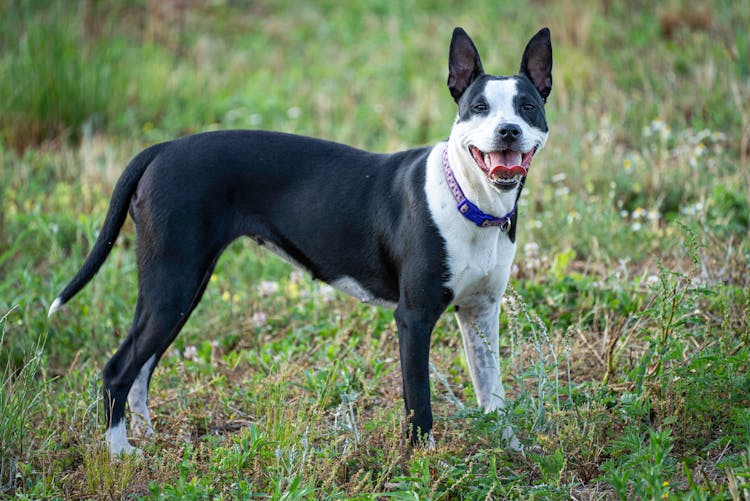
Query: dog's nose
[509, 132]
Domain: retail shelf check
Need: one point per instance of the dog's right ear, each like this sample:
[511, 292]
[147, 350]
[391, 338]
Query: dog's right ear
[464, 65]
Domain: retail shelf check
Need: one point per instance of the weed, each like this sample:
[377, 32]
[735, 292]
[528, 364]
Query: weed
[20, 392]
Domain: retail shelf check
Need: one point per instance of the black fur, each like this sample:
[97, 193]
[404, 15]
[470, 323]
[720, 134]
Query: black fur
[336, 211]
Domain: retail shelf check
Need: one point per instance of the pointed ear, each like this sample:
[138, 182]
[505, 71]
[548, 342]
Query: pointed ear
[536, 62]
[464, 65]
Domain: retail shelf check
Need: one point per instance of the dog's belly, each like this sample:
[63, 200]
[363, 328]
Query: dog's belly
[351, 287]
[346, 284]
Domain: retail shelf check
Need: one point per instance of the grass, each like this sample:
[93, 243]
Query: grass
[626, 333]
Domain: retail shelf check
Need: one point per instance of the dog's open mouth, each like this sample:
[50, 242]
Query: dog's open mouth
[504, 168]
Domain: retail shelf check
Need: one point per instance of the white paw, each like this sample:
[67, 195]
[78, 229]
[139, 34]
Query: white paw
[118, 444]
[512, 442]
[141, 428]
[430, 441]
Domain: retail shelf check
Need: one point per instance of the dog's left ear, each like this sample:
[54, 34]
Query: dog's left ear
[464, 65]
[536, 62]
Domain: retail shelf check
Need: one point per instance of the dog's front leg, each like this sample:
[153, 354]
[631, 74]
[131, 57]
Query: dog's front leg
[414, 331]
[479, 323]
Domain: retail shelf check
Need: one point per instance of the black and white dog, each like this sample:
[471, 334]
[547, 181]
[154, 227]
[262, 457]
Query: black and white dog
[416, 230]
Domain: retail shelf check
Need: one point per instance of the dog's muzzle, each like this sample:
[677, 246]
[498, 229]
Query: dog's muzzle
[504, 168]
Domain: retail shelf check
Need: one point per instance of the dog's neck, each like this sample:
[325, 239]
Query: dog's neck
[476, 186]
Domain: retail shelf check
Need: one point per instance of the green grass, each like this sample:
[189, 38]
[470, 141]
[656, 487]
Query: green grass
[626, 333]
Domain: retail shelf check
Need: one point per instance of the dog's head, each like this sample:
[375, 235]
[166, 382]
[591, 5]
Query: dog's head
[501, 122]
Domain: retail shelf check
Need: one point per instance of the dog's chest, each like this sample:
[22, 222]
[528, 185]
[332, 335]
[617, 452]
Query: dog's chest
[479, 263]
[479, 259]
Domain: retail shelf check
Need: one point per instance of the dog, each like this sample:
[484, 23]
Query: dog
[417, 231]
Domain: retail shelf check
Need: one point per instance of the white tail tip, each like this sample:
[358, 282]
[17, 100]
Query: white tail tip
[56, 304]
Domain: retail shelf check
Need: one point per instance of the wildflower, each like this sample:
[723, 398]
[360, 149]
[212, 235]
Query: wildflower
[190, 353]
[531, 249]
[259, 319]
[267, 288]
[653, 215]
[659, 128]
[226, 296]
[558, 178]
[294, 112]
[292, 290]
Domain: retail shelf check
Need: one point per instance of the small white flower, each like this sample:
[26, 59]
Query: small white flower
[531, 249]
[558, 178]
[294, 112]
[190, 353]
[259, 319]
[268, 288]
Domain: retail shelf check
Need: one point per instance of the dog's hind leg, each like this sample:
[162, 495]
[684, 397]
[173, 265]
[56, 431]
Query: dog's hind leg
[479, 325]
[168, 292]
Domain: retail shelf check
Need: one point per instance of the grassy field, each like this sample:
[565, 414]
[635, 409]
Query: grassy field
[626, 330]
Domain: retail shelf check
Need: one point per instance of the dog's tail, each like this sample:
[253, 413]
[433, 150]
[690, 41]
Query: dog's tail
[118, 211]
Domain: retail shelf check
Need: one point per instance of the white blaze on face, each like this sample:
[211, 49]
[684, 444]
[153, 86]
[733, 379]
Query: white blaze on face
[481, 130]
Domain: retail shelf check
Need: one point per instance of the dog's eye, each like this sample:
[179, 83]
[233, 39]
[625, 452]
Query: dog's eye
[529, 107]
[480, 107]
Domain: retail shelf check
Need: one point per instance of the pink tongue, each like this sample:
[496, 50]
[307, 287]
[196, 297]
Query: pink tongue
[506, 163]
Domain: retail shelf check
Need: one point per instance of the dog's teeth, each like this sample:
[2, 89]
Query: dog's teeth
[487, 160]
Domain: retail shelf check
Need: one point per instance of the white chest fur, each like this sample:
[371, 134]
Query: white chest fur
[479, 259]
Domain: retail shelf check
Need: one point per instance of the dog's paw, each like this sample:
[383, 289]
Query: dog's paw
[126, 451]
[118, 444]
[430, 442]
[140, 428]
[511, 441]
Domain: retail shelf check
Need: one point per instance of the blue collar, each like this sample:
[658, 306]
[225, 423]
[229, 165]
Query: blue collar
[468, 209]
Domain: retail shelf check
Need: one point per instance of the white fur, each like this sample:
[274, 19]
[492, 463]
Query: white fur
[350, 286]
[283, 255]
[56, 304]
[140, 419]
[117, 440]
[481, 130]
[479, 329]
[479, 259]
